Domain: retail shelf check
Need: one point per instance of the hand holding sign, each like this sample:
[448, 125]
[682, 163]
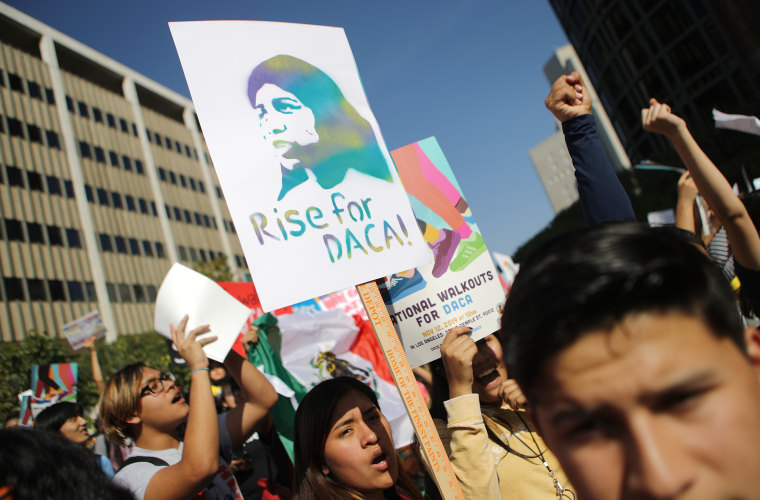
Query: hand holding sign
[189, 347]
[200, 303]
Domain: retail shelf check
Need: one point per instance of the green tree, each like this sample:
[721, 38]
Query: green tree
[217, 269]
[17, 358]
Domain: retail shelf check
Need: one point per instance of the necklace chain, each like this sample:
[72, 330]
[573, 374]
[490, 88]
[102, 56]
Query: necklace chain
[561, 491]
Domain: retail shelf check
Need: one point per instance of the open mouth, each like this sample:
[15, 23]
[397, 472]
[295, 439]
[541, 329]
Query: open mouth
[487, 376]
[380, 460]
[178, 398]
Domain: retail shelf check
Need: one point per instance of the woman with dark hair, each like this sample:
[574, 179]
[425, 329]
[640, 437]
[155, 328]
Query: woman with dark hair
[344, 447]
[314, 130]
[66, 419]
[478, 410]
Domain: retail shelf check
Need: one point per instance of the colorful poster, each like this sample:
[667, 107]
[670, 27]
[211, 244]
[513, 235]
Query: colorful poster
[308, 180]
[507, 267]
[347, 300]
[25, 416]
[461, 285]
[79, 330]
[53, 384]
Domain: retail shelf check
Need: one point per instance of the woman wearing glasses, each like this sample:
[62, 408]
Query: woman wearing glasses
[146, 406]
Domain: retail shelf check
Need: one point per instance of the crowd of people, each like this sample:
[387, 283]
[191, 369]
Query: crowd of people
[627, 366]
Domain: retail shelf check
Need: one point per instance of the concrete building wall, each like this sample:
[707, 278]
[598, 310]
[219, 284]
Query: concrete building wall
[555, 170]
[104, 182]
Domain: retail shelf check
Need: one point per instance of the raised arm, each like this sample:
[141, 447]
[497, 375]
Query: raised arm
[602, 197]
[259, 394]
[468, 445]
[712, 185]
[97, 375]
[200, 455]
[687, 197]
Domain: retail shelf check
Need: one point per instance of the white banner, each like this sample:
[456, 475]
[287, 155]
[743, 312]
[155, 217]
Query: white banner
[310, 185]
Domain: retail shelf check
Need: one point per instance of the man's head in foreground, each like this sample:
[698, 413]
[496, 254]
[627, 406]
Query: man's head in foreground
[640, 376]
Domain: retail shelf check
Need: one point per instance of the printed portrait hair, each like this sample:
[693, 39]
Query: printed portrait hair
[346, 139]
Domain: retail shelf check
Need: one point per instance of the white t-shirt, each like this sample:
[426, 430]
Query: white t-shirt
[136, 476]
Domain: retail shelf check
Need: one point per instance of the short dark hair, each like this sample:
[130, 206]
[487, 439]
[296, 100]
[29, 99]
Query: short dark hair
[42, 465]
[594, 278]
[54, 416]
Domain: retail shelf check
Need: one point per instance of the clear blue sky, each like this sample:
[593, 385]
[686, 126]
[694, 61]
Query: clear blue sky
[468, 72]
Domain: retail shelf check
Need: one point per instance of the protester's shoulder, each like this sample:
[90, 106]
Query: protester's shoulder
[136, 475]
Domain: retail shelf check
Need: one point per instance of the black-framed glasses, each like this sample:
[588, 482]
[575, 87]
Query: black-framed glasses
[155, 386]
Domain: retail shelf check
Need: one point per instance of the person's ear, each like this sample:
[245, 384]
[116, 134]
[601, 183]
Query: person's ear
[133, 420]
[752, 340]
[325, 471]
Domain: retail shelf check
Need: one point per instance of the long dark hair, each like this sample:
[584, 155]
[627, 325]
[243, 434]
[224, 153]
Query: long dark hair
[346, 139]
[312, 424]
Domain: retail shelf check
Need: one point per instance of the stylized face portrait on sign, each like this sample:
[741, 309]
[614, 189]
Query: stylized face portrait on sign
[310, 125]
[310, 185]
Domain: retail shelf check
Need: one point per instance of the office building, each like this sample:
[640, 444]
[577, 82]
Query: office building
[695, 55]
[551, 159]
[105, 181]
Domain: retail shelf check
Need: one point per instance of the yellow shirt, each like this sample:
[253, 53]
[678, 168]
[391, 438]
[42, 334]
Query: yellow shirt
[484, 468]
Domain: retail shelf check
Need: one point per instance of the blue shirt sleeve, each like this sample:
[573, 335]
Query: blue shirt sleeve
[602, 197]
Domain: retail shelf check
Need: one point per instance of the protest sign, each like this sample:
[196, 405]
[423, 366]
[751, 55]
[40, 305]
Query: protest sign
[308, 180]
[461, 286]
[187, 292]
[431, 446]
[54, 383]
[507, 266]
[79, 330]
[25, 416]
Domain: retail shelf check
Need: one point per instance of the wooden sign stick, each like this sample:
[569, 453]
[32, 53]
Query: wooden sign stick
[406, 383]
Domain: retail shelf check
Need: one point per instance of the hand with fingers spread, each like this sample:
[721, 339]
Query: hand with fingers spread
[189, 347]
[457, 352]
[659, 118]
[568, 97]
[511, 394]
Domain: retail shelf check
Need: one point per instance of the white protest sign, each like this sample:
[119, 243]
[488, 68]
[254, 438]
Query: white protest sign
[309, 182]
[742, 123]
[79, 330]
[187, 292]
[461, 286]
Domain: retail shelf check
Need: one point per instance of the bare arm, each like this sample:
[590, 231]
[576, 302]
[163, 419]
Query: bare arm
[200, 455]
[687, 196]
[259, 395]
[97, 375]
[711, 183]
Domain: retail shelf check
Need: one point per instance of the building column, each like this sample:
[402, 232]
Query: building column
[130, 93]
[192, 125]
[50, 58]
